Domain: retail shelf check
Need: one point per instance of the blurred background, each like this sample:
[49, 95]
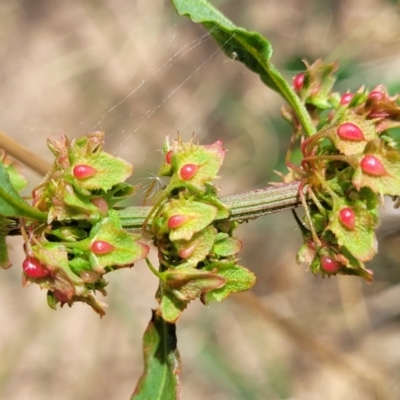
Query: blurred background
[136, 70]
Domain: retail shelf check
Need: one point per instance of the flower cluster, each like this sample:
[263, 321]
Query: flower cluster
[348, 165]
[83, 238]
[196, 248]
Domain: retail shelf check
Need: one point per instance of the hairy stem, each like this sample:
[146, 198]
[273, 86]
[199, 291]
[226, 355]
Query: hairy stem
[243, 206]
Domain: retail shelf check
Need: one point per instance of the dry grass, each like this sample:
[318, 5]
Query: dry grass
[138, 71]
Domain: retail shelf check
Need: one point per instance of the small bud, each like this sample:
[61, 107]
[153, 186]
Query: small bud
[349, 131]
[328, 264]
[347, 218]
[101, 204]
[101, 247]
[83, 171]
[34, 268]
[168, 157]
[346, 98]
[372, 166]
[298, 81]
[176, 221]
[188, 171]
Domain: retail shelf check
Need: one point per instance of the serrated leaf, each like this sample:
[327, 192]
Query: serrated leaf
[127, 249]
[199, 216]
[238, 279]
[196, 249]
[387, 184]
[162, 365]
[360, 241]
[12, 204]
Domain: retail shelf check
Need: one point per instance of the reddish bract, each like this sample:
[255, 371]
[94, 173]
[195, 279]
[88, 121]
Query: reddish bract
[101, 247]
[346, 98]
[34, 268]
[188, 171]
[375, 96]
[186, 253]
[350, 131]
[298, 81]
[328, 264]
[176, 221]
[347, 217]
[372, 166]
[101, 204]
[83, 171]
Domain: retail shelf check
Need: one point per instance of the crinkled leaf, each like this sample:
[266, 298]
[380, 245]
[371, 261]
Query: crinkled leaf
[160, 379]
[360, 241]
[238, 279]
[199, 215]
[198, 247]
[189, 283]
[388, 184]
[12, 204]
[127, 249]
[208, 160]
[227, 246]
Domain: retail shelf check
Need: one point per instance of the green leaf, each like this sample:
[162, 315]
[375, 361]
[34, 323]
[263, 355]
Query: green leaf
[238, 279]
[361, 240]
[171, 307]
[189, 283]
[250, 48]
[160, 379]
[12, 204]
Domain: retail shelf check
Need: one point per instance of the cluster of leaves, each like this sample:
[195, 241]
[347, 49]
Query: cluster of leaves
[82, 238]
[348, 165]
[196, 248]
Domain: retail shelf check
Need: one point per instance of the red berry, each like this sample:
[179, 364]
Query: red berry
[330, 265]
[298, 81]
[349, 131]
[372, 166]
[188, 171]
[176, 221]
[101, 204]
[101, 247]
[346, 98]
[347, 217]
[34, 268]
[83, 171]
[168, 157]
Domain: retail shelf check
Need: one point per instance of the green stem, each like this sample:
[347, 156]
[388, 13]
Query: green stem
[290, 96]
[243, 206]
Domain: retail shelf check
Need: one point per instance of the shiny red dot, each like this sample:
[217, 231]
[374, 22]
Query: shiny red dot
[372, 166]
[375, 96]
[330, 265]
[350, 131]
[186, 253]
[346, 98]
[101, 247]
[298, 81]
[347, 217]
[176, 221]
[34, 268]
[188, 171]
[83, 171]
[168, 157]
